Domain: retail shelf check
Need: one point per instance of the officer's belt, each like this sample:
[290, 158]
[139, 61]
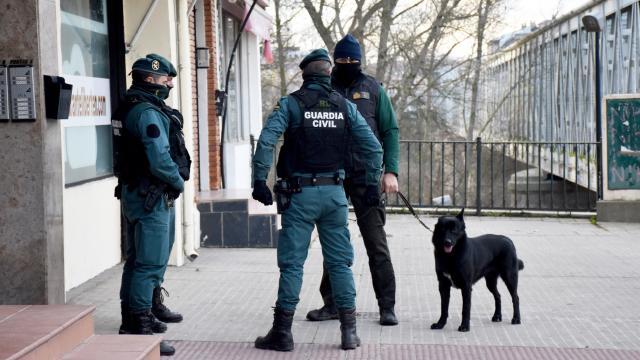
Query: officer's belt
[318, 181]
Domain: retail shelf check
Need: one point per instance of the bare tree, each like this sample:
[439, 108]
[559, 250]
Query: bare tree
[417, 57]
[278, 78]
[280, 52]
[331, 25]
[485, 7]
[428, 68]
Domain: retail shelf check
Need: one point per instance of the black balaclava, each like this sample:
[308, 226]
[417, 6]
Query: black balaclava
[345, 74]
[347, 47]
[160, 91]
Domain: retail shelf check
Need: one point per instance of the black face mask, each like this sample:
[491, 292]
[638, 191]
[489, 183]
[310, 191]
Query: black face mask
[160, 91]
[345, 74]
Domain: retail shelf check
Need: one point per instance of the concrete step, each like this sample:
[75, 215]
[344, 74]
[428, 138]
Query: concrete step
[232, 200]
[117, 347]
[43, 332]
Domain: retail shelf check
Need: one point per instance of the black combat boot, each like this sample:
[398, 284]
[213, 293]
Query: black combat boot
[350, 339]
[279, 337]
[157, 327]
[160, 311]
[326, 312]
[388, 317]
[142, 323]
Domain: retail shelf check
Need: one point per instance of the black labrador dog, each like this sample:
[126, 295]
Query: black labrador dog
[462, 260]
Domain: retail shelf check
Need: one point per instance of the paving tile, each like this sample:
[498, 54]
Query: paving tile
[578, 291]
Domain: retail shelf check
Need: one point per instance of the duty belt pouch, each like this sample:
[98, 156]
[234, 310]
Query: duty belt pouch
[169, 201]
[283, 201]
[153, 196]
[151, 193]
[283, 195]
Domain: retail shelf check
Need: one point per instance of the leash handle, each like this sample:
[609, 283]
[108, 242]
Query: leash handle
[406, 202]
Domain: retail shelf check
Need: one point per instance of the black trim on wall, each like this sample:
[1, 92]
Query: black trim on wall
[117, 66]
[118, 77]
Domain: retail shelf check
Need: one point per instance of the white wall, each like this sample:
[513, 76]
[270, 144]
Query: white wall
[91, 213]
[237, 165]
[237, 152]
[160, 35]
[91, 231]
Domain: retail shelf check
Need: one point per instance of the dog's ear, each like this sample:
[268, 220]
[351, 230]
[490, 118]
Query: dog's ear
[460, 215]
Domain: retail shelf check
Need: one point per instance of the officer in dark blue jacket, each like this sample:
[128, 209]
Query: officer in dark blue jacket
[152, 164]
[317, 124]
[375, 106]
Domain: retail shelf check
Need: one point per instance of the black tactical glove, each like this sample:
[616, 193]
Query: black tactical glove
[261, 192]
[372, 195]
[172, 193]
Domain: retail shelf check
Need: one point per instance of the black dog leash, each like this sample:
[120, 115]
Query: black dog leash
[406, 202]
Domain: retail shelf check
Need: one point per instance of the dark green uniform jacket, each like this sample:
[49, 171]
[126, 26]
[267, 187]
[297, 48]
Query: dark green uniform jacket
[278, 122]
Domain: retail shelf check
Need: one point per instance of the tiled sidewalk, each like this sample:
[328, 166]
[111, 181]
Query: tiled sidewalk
[578, 292]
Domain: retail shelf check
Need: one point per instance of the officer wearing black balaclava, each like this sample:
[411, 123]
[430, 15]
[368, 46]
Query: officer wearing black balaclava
[152, 164]
[375, 106]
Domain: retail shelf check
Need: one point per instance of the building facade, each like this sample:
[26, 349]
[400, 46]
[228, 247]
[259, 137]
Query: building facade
[62, 226]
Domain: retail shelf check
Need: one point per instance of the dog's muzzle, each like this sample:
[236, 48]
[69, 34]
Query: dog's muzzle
[448, 246]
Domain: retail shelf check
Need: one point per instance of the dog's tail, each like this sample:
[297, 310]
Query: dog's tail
[520, 264]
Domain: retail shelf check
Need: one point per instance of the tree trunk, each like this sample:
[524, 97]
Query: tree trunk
[281, 50]
[483, 12]
[385, 28]
[323, 31]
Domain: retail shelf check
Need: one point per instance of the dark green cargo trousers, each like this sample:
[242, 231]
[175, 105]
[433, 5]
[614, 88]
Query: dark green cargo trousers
[150, 236]
[326, 207]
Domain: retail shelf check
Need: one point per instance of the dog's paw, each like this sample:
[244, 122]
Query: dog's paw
[463, 328]
[437, 326]
[496, 318]
[515, 321]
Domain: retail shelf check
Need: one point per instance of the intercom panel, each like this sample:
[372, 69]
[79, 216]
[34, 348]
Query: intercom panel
[4, 94]
[22, 98]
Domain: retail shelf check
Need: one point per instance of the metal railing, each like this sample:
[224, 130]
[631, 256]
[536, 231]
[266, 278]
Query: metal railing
[496, 175]
[516, 175]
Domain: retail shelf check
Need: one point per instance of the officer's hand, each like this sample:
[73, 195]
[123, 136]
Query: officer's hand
[173, 193]
[372, 195]
[261, 192]
[389, 183]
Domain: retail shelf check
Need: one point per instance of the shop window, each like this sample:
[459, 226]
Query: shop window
[237, 120]
[230, 32]
[85, 64]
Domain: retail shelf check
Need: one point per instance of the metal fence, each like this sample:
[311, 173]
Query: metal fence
[545, 176]
[548, 176]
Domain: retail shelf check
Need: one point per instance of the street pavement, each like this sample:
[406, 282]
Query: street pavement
[578, 291]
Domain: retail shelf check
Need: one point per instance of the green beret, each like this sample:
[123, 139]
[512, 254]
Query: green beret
[155, 64]
[315, 55]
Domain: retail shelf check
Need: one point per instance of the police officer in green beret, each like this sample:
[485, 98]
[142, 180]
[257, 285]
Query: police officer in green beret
[152, 164]
[317, 124]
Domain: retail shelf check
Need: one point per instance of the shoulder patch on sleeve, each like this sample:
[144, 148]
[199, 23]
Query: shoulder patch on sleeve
[153, 131]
